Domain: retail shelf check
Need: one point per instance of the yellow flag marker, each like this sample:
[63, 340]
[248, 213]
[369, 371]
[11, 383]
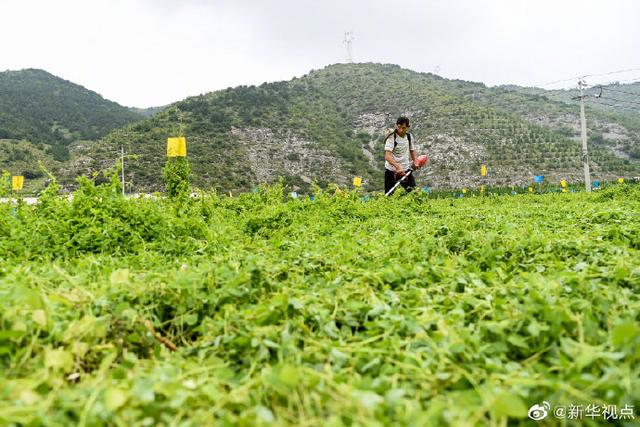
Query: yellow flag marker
[464, 191]
[530, 189]
[177, 147]
[17, 182]
[357, 181]
[483, 170]
[563, 183]
[621, 180]
[482, 188]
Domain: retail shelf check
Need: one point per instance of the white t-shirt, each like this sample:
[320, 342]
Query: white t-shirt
[400, 152]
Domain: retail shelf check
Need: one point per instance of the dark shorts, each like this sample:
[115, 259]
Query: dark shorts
[390, 180]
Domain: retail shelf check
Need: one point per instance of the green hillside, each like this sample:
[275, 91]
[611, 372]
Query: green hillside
[328, 126]
[24, 158]
[622, 99]
[324, 127]
[51, 112]
[612, 113]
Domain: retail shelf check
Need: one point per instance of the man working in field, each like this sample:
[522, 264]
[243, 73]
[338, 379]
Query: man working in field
[399, 156]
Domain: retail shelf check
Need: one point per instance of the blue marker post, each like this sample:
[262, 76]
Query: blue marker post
[539, 179]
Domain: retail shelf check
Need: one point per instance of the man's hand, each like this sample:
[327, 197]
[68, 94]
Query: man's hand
[416, 165]
[400, 172]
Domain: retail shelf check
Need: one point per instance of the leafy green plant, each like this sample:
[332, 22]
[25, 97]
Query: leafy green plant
[259, 309]
[176, 177]
[5, 184]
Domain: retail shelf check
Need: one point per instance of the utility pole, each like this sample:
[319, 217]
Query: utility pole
[348, 40]
[122, 159]
[583, 124]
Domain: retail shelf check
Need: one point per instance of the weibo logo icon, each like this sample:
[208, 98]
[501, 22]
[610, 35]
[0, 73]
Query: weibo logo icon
[539, 411]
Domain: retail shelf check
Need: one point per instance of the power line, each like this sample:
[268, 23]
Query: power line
[587, 75]
[557, 81]
[604, 103]
[612, 72]
[619, 82]
[619, 91]
[621, 100]
[562, 97]
[624, 101]
[607, 104]
[632, 80]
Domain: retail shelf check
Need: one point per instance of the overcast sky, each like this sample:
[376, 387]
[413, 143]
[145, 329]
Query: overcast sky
[152, 52]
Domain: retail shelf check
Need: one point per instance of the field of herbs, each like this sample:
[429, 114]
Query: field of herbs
[262, 310]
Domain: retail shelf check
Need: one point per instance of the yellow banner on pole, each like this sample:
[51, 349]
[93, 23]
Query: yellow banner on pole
[483, 170]
[177, 147]
[464, 191]
[563, 183]
[530, 189]
[621, 180]
[17, 182]
[357, 181]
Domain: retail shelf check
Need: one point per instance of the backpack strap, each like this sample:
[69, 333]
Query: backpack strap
[389, 136]
[395, 143]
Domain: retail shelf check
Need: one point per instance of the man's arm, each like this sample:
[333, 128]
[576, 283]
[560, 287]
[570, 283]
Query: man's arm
[414, 158]
[388, 156]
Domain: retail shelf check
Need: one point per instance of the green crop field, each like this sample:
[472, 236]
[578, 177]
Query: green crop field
[258, 310]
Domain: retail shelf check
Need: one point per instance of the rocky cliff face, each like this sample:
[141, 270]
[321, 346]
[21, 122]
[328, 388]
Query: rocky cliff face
[271, 153]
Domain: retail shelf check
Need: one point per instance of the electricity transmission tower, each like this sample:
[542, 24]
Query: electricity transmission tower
[348, 40]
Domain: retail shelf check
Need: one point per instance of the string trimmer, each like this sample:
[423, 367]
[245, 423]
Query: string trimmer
[420, 162]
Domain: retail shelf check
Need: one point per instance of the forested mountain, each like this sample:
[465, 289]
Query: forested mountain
[50, 112]
[324, 127]
[328, 126]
